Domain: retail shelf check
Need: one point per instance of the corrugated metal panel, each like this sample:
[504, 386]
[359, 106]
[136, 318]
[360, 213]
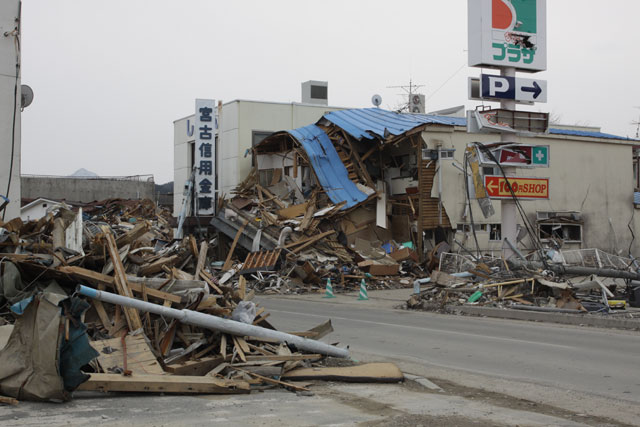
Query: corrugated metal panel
[588, 134]
[369, 123]
[329, 169]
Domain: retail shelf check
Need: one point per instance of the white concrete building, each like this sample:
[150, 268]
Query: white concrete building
[241, 124]
[10, 94]
[591, 188]
[37, 209]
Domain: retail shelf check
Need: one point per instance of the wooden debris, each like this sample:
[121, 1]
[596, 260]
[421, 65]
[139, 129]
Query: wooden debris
[369, 372]
[163, 384]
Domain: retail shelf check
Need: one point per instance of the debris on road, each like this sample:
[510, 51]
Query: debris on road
[574, 282]
[163, 314]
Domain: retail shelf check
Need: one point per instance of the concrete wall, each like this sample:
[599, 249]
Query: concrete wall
[589, 175]
[9, 10]
[85, 190]
[237, 122]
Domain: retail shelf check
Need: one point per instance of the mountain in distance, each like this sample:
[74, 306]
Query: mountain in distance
[83, 173]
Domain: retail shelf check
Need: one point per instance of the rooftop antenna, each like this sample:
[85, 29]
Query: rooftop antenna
[637, 123]
[409, 90]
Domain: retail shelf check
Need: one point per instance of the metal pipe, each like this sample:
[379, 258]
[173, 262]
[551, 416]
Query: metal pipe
[514, 249]
[215, 323]
[575, 271]
[418, 282]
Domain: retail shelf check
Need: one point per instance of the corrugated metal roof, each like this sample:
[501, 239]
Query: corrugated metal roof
[369, 123]
[589, 134]
[372, 123]
[329, 169]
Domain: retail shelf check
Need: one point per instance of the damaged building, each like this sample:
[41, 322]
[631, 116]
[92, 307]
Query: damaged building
[402, 177]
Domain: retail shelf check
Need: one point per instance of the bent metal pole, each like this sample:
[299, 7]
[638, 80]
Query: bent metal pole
[216, 323]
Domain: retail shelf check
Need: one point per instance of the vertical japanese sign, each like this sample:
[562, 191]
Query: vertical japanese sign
[508, 33]
[205, 160]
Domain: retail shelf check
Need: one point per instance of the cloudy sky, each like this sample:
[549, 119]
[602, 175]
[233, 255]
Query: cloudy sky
[111, 76]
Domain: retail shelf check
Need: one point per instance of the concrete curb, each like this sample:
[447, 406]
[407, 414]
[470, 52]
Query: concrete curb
[567, 319]
[423, 382]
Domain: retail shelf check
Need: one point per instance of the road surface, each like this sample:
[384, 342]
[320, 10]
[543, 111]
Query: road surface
[573, 366]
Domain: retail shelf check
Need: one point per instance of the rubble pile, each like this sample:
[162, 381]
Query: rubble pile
[578, 281]
[296, 245]
[200, 331]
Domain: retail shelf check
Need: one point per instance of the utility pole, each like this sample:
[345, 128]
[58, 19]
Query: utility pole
[508, 211]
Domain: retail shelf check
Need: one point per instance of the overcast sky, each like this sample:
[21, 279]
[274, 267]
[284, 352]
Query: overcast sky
[110, 77]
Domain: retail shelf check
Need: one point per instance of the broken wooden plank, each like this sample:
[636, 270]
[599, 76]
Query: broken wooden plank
[156, 266]
[283, 358]
[98, 278]
[369, 372]
[202, 257]
[209, 280]
[197, 367]
[242, 287]
[312, 240]
[138, 231]
[163, 384]
[239, 349]
[120, 280]
[8, 400]
[140, 358]
[272, 381]
[294, 211]
[102, 314]
[227, 262]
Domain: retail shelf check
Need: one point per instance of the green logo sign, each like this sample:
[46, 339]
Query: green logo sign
[540, 155]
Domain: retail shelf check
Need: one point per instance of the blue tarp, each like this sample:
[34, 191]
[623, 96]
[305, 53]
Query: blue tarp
[329, 169]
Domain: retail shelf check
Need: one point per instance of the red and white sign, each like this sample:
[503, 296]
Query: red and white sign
[523, 188]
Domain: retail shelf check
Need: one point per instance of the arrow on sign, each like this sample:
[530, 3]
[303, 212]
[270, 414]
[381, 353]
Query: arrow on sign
[535, 89]
[492, 185]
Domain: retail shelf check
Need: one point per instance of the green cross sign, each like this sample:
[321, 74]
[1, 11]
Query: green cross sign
[540, 155]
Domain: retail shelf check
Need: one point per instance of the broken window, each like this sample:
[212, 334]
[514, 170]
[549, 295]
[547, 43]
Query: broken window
[265, 177]
[565, 226]
[495, 232]
[489, 170]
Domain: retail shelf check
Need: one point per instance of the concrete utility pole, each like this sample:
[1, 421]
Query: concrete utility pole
[508, 211]
[10, 93]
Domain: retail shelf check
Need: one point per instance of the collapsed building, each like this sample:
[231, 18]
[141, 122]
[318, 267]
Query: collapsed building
[405, 177]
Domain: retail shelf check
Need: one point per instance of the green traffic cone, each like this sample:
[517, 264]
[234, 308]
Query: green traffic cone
[363, 292]
[328, 292]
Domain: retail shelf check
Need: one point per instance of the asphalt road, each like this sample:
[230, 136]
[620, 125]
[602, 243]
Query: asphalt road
[593, 361]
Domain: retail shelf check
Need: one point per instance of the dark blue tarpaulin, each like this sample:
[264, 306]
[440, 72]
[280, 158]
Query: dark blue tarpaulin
[329, 169]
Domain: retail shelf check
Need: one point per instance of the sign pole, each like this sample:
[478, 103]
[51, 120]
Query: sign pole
[508, 211]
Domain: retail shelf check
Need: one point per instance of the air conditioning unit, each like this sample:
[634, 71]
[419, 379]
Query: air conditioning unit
[416, 104]
[315, 92]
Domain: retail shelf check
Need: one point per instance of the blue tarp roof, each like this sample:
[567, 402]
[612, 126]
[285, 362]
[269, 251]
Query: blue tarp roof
[329, 169]
[369, 123]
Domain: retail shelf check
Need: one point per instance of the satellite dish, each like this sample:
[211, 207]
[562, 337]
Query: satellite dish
[376, 100]
[26, 97]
